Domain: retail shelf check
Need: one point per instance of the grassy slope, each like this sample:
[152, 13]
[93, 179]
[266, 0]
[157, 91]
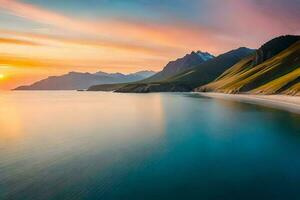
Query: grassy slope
[293, 90]
[279, 74]
[279, 83]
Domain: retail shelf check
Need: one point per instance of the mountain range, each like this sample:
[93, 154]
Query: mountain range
[189, 77]
[274, 68]
[81, 81]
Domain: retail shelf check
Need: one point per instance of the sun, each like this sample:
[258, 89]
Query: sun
[2, 76]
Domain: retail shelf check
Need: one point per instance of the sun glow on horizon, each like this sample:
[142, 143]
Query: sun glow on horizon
[2, 76]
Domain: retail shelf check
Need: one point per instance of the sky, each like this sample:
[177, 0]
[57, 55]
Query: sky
[40, 38]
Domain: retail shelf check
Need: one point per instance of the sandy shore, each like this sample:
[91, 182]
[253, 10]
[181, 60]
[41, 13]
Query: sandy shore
[284, 102]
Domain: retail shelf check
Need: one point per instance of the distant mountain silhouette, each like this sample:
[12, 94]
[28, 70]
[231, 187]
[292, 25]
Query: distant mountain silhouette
[79, 81]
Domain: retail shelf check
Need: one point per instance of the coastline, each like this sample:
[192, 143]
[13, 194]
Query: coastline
[283, 102]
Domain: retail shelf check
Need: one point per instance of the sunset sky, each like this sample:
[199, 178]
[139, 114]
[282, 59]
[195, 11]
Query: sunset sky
[39, 38]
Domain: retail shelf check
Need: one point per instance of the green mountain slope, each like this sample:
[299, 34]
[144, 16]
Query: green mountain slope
[275, 68]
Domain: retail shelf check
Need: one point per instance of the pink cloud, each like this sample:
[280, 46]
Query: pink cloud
[254, 22]
[177, 36]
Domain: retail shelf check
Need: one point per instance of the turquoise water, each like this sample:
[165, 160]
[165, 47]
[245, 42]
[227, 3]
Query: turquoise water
[73, 145]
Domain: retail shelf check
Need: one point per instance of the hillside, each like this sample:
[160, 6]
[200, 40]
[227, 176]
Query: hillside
[189, 79]
[78, 81]
[275, 68]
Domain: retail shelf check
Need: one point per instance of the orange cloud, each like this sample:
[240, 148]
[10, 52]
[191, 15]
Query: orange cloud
[136, 33]
[97, 43]
[23, 62]
[17, 42]
[17, 61]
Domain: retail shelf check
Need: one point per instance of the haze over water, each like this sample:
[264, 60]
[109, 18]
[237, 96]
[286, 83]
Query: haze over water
[72, 145]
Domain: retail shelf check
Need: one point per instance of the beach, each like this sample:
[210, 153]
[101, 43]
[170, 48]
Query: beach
[284, 102]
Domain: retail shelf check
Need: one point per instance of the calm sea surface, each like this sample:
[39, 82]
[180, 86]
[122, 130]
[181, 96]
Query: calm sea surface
[85, 145]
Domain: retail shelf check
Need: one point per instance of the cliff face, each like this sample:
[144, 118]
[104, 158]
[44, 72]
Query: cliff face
[273, 47]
